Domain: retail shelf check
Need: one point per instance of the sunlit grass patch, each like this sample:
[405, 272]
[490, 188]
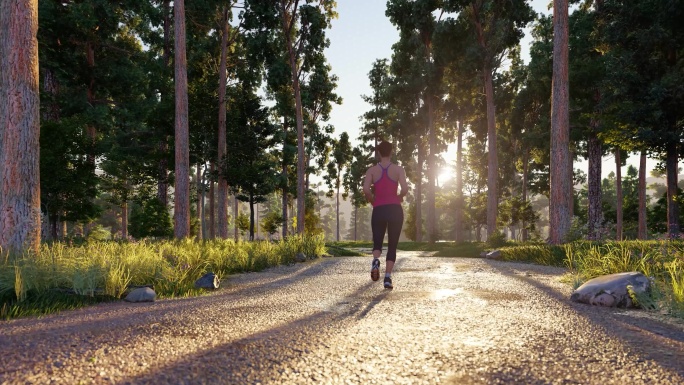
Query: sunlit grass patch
[64, 277]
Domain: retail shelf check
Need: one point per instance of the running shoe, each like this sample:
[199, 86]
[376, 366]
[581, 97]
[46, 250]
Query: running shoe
[388, 283]
[375, 269]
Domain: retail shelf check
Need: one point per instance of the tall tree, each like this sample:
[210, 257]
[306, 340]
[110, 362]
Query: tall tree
[561, 186]
[222, 183]
[301, 28]
[496, 26]
[250, 168]
[342, 155]
[19, 127]
[182, 159]
[644, 45]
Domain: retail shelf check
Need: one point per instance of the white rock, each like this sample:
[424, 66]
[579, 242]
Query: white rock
[611, 290]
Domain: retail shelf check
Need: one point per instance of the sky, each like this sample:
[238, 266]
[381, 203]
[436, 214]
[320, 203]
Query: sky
[360, 35]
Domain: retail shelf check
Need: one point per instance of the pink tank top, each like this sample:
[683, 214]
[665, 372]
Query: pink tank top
[385, 189]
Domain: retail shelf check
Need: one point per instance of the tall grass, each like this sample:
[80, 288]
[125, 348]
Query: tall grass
[105, 270]
[661, 260]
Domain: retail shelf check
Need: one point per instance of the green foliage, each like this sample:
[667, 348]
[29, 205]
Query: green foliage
[271, 222]
[97, 271]
[534, 253]
[242, 223]
[150, 219]
[496, 240]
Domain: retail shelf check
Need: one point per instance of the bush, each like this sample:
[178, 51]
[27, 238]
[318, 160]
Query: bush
[150, 219]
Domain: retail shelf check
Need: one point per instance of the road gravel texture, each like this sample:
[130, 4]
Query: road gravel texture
[447, 321]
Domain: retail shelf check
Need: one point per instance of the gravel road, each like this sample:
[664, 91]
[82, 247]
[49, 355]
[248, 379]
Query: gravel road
[447, 321]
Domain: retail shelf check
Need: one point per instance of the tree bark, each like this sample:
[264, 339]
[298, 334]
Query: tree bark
[431, 171]
[222, 183]
[356, 215]
[236, 213]
[163, 145]
[182, 182]
[526, 166]
[124, 220]
[672, 205]
[288, 20]
[251, 217]
[559, 205]
[419, 191]
[492, 157]
[459, 184]
[212, 202]
[594, 194]
[20, 225]
[198, 204]
[618, 193]
[338, 208]
[642, 232]
[286, 189]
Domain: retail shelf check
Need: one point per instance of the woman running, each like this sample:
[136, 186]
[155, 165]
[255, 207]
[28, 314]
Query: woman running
[388, 215]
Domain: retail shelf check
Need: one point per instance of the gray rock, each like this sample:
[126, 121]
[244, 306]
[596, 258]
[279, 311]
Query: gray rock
[143, 294]
[301, 257]
[611, 290]
[496, 254]
[483, 254]
[208, 281]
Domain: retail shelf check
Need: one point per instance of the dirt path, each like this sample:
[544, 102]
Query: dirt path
[458, 321]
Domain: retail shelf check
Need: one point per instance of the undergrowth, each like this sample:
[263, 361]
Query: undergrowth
[63, 277]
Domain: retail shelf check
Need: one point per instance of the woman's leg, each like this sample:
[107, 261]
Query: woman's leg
[394, 225]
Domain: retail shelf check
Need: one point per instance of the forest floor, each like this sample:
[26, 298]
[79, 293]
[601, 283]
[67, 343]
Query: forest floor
[448, 320]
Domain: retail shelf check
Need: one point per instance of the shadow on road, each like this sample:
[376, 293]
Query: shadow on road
[650, 338]
[267, 354]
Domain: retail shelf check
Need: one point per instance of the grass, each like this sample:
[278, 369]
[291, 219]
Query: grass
[103, 271]
[661, 260]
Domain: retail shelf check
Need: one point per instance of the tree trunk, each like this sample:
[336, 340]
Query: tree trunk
[20, 225]
[492, 157]
[459, 184]
[642, 234]
[338, 208]
[283, 173]
[559, 205]
[419, 189]
[251, 217]
[53, 221]
[163, 145]
[618, 193]
[526, 166]
[124, 220]
[356, 215]
[212, 202]
[198, 177]
[182, 185]
[672, 205]
[431, 171]
[287, 20]
[222, 183]
[594, 195]
[236, 212]
[62, 228]
[90, 128]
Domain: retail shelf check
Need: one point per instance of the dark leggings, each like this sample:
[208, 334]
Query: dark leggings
[390, 218]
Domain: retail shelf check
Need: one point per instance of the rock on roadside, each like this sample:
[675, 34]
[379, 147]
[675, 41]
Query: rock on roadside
[300, 257]
[142, 294]
[611, 290]
[496, 254]
[208, 281]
